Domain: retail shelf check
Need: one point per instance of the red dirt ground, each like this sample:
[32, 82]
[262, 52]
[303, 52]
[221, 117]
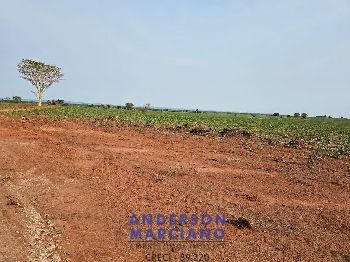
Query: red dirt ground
[68, 189]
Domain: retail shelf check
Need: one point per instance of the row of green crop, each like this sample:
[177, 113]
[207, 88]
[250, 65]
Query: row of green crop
[331, 136]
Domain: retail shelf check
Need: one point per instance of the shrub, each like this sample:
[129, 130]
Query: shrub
[129, 105]
[59, 102]
[17, 99]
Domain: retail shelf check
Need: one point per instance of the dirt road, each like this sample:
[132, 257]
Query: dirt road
[68, 189]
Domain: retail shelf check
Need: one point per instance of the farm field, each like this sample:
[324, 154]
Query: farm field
[326, 136]
[71, 176]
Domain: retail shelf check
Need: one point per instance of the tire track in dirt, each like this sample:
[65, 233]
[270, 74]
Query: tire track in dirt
[39, 230]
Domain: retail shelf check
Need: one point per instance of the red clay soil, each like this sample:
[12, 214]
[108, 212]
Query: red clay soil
[68, 189]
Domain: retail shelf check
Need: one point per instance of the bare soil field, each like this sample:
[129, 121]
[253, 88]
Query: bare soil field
[68, 188]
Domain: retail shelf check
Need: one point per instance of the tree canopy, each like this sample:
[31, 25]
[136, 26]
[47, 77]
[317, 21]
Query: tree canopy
[41, 75]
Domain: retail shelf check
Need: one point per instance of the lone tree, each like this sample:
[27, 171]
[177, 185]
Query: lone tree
[17, 99]
[129, 105]
[41, 75]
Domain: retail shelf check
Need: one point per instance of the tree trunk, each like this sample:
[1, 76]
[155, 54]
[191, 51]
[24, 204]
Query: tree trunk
[40, 98]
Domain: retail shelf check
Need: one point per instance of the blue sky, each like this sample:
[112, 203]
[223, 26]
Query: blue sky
[245, 56]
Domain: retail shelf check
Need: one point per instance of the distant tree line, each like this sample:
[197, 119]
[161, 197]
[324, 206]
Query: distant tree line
[296, 115]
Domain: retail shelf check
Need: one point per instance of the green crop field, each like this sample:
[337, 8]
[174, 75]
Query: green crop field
[329, 137]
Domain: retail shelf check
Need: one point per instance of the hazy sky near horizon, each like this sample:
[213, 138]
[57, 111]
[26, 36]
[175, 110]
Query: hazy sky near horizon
[245, 56]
